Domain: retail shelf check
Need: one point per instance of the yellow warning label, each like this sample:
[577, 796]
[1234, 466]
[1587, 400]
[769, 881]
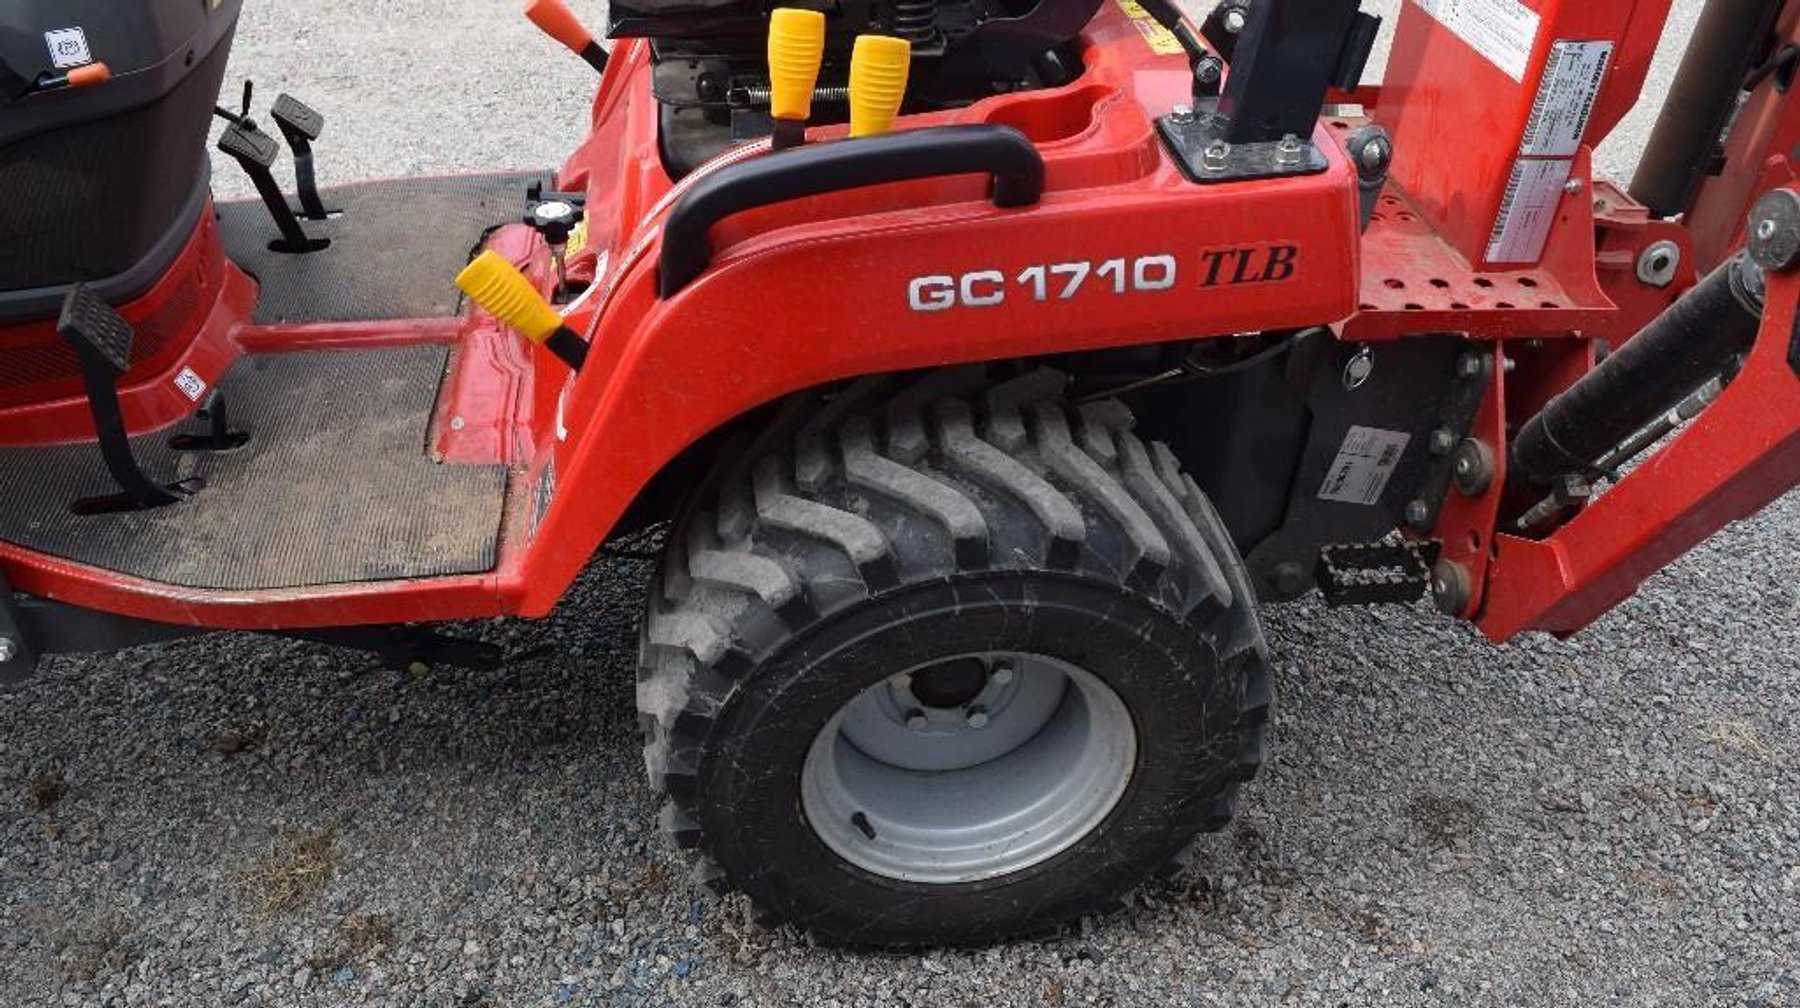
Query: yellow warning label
[577, 240]
[1162, 40]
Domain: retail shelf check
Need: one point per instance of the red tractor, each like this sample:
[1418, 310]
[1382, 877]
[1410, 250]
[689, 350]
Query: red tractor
[983, 364]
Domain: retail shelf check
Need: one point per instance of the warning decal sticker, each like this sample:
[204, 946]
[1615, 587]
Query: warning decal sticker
[1527, 211]
[1162, 40]
[1503, 31]
[1364, 464]
[68, 47]
[1565, 98]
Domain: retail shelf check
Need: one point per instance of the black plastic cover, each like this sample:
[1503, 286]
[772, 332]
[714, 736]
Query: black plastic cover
[103, 183]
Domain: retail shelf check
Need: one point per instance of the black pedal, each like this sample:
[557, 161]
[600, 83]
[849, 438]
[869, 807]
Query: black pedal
[291, 113]
[1376, 573]
[101, 339]
[96, 331]
[256, 152]
[250, 146]
[300, 125]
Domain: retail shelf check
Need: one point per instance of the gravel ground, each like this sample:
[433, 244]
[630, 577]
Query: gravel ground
[235, 820]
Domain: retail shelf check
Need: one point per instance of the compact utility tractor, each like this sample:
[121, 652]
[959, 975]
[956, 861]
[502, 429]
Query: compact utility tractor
[985, 364]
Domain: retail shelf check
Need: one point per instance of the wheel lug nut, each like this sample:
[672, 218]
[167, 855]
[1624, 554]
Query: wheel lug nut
[917, 721]
[1002, 674]
[902, 681]
[976, 717]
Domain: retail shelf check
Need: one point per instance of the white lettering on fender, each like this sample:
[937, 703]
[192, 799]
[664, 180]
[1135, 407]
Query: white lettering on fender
[931, 293]
[1042, 282]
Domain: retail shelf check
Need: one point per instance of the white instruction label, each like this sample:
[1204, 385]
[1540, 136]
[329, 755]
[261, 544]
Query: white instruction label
[1532, 198]
[1501, 30]
[190, 383]
[1364, 465]
[1565, 98]
[68, 47]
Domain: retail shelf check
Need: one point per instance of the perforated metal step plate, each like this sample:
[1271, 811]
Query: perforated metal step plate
[335, 485]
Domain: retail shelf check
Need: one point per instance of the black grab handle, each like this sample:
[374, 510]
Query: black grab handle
[1000, 151]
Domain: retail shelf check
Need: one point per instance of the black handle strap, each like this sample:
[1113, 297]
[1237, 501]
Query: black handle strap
[999, 151]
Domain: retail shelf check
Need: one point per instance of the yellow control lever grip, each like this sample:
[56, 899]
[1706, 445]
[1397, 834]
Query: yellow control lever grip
[503, 292]
[878, 68]
[796, 47]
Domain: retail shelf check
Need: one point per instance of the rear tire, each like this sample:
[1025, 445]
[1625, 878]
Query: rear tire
[952, 664]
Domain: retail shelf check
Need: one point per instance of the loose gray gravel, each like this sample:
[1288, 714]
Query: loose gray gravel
[235, 820]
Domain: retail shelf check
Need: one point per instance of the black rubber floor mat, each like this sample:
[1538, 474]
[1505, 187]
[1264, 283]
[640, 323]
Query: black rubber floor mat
[334, 485]
[395, 250]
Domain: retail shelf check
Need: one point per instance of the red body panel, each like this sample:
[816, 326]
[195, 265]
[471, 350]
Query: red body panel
[1739, 455]
[823, 288]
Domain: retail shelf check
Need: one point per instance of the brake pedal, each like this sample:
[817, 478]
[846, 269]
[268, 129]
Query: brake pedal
[256, 152]
[1376, 573]
[300, 126]
[101, 339]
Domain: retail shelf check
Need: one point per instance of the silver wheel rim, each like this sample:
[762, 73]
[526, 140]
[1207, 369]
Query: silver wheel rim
[936, 785]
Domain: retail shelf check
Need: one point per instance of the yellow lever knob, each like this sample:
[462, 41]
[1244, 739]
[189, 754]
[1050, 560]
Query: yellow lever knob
[878, 66]
[499, 288]
[796, 47]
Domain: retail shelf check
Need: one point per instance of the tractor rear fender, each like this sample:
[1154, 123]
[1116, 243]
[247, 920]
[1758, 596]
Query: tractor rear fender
[922, 274]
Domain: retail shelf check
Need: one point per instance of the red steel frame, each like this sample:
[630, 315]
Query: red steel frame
[814, 290]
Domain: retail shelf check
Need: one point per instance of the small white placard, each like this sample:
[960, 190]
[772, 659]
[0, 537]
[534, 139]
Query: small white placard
[1532, 198]
[1503, 31]
[1565, 98]
[190, 383]
[68, 48]
[1364, 465]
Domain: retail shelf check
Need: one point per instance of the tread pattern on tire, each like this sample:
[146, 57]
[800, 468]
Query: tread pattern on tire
[884, 485]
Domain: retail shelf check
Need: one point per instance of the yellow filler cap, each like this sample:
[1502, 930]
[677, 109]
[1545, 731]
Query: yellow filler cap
[796, 47]
[878, 66]
[499, 288]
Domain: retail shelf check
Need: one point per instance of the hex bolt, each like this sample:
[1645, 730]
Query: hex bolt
[1181, 115]
[1418, 514]
[1450, 587]
[1468, 366]
[1002, 673]
[1775, 230]
[1443, 441]
[9, 649]
[917, 721]
[1217, 156]
[1658, 263]
[1287, 152]
[1375, 154]
[1234, 21]
[1572, 186]
[976, 717]
[1209, 70]
[1473, 469]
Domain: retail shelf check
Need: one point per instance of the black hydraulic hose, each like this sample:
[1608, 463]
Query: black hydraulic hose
[1679, 351]
[1700, 103]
